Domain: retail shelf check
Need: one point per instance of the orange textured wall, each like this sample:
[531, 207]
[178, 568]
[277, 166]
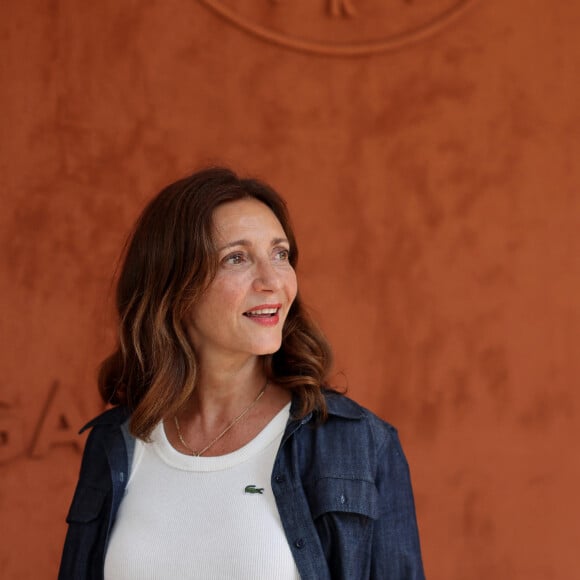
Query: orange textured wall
[428, 152]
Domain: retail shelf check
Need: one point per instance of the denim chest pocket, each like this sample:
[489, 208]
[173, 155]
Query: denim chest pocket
[343, 495]
[344, 511]
[86, 505]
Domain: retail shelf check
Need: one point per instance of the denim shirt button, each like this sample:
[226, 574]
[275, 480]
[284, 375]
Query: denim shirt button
[343, 499]
[299, 543]
[279, 479]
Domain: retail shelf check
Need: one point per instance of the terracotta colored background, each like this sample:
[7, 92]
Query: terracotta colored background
[435, 192]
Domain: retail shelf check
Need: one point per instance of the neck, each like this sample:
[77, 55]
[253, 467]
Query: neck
[223, 390]
[228, 408]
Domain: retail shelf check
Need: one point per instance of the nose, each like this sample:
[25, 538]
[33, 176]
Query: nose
[267, 278]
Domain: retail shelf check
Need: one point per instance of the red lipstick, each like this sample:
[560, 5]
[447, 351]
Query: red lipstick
[264, 314]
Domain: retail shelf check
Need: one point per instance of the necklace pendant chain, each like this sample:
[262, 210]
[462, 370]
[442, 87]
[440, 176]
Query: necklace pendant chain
[228, 426]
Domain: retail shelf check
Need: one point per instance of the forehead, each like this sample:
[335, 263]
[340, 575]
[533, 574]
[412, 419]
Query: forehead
[245, 219]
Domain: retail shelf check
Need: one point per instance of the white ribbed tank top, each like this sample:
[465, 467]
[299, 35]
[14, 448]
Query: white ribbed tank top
[186, 517]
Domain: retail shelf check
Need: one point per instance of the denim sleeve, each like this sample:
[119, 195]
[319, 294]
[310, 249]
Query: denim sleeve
[87, 518]
[396, 553]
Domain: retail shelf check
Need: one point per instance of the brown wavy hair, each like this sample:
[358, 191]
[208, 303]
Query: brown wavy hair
[169, 261]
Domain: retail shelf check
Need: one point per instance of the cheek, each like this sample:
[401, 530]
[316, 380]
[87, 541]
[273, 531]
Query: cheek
[228, 294]
[219, 298]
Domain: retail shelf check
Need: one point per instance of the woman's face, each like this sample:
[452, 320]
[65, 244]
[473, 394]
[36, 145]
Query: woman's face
[243, 310]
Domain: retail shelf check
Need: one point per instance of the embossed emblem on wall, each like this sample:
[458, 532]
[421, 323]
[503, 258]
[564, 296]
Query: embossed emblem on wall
[340, 27]
[57, 424]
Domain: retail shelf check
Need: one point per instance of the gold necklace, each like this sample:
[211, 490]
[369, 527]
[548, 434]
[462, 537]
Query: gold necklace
[228, 427]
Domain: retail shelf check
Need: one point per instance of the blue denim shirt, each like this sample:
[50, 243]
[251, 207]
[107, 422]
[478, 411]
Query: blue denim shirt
[342, 489]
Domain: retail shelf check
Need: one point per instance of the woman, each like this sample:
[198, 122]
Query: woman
[226, 454]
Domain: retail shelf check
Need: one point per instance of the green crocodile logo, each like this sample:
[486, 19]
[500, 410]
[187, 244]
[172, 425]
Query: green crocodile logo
[253, 489]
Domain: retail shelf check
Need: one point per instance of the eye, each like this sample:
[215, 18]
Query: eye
[282, 254]
[234, 259]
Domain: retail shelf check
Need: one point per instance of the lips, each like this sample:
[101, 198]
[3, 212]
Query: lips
[264, 311]
[264, 314]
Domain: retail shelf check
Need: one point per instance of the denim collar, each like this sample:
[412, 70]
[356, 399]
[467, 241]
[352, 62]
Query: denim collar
[336, 405]
[115, 416]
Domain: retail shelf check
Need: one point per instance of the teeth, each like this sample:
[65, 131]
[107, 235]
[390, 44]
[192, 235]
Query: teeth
[262, 312]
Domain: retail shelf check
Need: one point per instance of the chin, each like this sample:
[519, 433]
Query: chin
[264, 350]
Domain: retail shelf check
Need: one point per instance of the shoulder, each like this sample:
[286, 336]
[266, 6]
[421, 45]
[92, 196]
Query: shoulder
[108, 431]
[367, 434]
[109, 444]
[350, 427]
[110, 418]
[342, 407]
[352, 443]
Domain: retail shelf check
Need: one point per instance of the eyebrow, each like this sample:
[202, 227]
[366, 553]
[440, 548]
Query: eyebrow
[247, 243]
